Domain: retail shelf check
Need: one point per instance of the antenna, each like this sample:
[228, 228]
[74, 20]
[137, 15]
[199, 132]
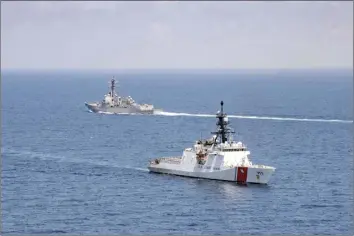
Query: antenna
[113, 81]
[222, 123]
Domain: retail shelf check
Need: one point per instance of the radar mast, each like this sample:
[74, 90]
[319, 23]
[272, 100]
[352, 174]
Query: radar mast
[223, 131]
[113, 85]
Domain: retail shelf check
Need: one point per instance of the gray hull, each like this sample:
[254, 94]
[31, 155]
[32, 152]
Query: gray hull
[119, 110]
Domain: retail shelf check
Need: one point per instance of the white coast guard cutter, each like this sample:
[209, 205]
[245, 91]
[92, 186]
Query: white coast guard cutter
[218, 158]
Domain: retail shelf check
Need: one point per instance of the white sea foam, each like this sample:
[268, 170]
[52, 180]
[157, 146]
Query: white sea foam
[60, 158]
[163, 113]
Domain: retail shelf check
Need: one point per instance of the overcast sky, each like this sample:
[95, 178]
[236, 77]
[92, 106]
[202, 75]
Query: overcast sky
[117, 35]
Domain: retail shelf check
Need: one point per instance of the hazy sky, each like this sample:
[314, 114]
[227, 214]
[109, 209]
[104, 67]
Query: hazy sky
[116, 35]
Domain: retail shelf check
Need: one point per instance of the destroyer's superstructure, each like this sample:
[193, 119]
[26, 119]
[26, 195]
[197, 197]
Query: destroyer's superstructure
[219, 158]
[113, 103]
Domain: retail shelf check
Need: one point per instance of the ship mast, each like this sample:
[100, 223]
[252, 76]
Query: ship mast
[112, 86]
[223, 130]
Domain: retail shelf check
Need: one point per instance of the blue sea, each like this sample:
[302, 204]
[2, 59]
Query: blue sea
[66, 170]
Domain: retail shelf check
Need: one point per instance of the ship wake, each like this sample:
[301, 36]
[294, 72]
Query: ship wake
[163, 113]
[61, 158]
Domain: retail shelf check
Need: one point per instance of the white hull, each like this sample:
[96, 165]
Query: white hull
[251, 174]
[218, 158]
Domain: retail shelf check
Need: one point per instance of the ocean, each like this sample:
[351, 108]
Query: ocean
[66, 170]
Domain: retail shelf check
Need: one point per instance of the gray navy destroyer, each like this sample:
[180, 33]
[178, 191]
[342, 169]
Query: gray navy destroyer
[112, 103]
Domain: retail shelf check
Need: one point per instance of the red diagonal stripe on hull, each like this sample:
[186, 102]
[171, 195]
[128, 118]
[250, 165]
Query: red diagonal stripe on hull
[242, 174]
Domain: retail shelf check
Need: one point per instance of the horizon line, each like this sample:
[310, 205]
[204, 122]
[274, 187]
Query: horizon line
[179, 69]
